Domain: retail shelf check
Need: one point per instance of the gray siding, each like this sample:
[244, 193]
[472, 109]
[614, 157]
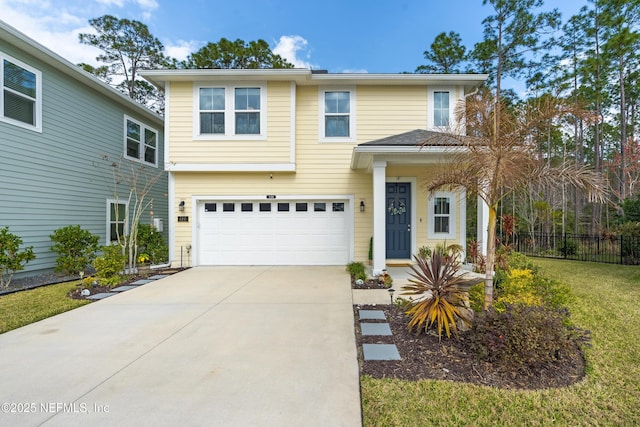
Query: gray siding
[59, 177]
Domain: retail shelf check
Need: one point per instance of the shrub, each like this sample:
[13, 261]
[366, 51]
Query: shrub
[435, 282]
[476, 297]
[424, 252]
[555, 294]
[357, 270]
[630, 241]
[76, 248]
[110, 265]
[569, 248]
[12, 259]
[523, 337]
[151, 242]
[518, 288]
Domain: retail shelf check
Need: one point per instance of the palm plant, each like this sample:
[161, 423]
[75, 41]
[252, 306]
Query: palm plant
[495, 158]
[436, 282]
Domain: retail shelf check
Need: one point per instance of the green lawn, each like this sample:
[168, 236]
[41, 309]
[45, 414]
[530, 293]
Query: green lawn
[22, 308]
[607, 303]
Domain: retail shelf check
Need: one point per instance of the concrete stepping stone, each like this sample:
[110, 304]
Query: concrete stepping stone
[123, 288]
[380, 352]
[101, 295]
[371, 315]
[375, 328]
[141, 282]
[158, 277]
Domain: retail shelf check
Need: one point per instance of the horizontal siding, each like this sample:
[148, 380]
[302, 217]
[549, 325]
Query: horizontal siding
[321, 167]
[58, 177]
[385, 111]
[275, 149]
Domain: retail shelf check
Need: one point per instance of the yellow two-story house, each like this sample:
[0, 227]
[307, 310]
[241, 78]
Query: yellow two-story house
[302, 167]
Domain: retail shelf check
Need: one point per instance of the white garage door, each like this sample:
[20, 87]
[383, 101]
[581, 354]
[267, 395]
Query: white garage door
[273, 232]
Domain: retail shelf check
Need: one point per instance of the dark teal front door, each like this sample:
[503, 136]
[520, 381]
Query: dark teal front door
[398, 220]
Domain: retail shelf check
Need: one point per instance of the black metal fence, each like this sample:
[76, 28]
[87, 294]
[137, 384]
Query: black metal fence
[582, 247]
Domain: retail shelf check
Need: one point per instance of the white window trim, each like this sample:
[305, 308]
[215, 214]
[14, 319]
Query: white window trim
[143, 127]
[126, 222]
[453, 210]
[431, 107]
[38, 113]
[229, 111]
[352, 113]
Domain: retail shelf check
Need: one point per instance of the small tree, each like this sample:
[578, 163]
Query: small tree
[76, 248]
[494, 162]
[11, 257]
[138, 181]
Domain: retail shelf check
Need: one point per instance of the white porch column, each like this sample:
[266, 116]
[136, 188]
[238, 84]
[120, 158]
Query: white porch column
[462, 202]
[483, 226]
[379, 217]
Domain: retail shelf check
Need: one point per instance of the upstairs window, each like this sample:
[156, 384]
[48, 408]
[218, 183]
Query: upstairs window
[441, 109]
[21, 101]
[141, 142]
[336, 111]
[230, 112]
[247, 110]
[337, 115]
[212, 110]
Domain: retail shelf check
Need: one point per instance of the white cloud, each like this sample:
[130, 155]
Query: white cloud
[181, 49]
[56, 30]
[291, 48]
[355, 71]
[56, 25]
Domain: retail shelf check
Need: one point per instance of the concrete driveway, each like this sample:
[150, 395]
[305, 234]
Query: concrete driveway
[223, 346]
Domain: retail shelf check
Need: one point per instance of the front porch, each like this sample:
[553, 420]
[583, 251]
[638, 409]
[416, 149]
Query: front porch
[405, 217]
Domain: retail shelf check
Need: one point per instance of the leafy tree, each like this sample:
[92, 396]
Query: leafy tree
[12, 259]
[236, 54]
[511, 33]
[496, 162]
[128, 46]
[621, 45]
[446, 54]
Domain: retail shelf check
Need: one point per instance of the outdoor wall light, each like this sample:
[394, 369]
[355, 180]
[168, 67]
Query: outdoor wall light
[181, 206]
[361, 205]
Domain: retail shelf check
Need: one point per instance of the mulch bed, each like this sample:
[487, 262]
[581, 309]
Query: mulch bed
[425, 356]
[127, 280]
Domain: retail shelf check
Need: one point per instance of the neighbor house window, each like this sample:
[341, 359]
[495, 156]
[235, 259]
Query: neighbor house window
[141, 142]
[442, 211]
[116, 221]
[337, 114]
[21, 101]
[230, 111]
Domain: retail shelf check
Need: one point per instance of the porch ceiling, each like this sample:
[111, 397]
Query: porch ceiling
[414, 147]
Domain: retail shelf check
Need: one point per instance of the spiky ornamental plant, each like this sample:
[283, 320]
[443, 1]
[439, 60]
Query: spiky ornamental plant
[435, 281]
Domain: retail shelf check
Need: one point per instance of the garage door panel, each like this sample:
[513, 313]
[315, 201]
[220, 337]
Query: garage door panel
[294, 237]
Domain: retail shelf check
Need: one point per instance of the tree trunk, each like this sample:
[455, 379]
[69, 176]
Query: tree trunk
[490, 267]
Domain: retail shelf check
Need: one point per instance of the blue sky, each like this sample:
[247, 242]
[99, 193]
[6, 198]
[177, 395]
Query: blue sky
[375, 36]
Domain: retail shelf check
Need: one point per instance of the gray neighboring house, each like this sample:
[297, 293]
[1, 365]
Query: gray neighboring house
[58, 124]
